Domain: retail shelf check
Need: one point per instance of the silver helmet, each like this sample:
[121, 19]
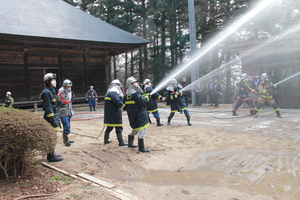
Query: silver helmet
[67, 82]
[243, 76]
[115, 86]
[8, 93]
[130, 80]
[132, 86]
[49, 76]
[264, 75]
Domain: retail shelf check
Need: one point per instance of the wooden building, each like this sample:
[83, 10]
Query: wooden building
[280, 59]
[41, 36]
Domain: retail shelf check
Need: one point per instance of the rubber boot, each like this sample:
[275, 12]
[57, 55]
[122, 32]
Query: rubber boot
[255, 114]
[106, 138]
[169, 121]
[278, 114]
[90, 109]
[66, 140]
[234, 113]
[70, 141]
[94, 109]
[252, 112]
[120, 139]
[142, 146]
[188, 121]
[130, 141]
[158, 122]
[51, 157]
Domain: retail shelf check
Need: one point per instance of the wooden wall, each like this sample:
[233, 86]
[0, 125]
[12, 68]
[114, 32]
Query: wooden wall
[23, 65]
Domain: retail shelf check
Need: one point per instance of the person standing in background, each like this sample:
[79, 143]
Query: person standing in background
[217, 93]
[66, 110]
[209, 89]
[9, 101]
[91, 96]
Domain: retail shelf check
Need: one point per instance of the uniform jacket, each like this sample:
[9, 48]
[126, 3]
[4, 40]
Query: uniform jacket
[152, 104]
[113, 106]
[49, 103]
[244, 90]
[65, 110]
[267, 90]
[91, 95]
[9, 102]
[217, 88]
[137, 111]
[177, 101]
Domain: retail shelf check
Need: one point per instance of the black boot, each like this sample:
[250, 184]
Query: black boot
[90, 109]
[130, 141]
[106, 138]
[234, 113]
[188, 121]
[158, 122]
[66, 140]
[142, 146]
[169, 121]
[51, 157]
[120, 139]
[278, 114]
[94, 109]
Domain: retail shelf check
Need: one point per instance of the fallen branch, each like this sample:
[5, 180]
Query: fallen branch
[34, 196]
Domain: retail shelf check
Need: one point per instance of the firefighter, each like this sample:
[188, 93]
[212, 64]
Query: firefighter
[152, 104]
[9, 101]
[243, 97]
[49, 103]
[177, 101]
[91, 96]
[137, 113]
[266, 92]
[113, 106]
[66, 110]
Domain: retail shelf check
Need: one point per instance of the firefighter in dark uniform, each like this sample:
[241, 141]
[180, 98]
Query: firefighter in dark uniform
[177, 101]
[113, 106]
[49, 103]
[243, 96]
[266, 92]
[137, 113]
[9, 101]
[152, 104]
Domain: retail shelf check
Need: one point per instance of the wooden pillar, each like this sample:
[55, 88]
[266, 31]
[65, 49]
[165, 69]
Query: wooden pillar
[107, 70]
[85, 73]
[26, 74]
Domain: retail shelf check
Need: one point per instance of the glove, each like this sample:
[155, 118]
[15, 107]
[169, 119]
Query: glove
[221, 93]
[87, 99]
[96, 99]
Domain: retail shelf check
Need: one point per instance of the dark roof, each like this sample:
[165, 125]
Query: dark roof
[58, 20]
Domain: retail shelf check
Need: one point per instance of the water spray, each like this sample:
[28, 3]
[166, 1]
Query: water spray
[263, 4]
[287, 79]
[232, 61]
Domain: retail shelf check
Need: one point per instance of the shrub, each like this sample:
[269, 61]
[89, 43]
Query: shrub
[23, 135]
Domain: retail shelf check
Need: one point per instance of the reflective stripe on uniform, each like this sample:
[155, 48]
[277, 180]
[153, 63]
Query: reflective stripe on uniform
[107, 98]
[130, 102]
[113, 125]
[141, 128]
[150, 111]
[50, 115]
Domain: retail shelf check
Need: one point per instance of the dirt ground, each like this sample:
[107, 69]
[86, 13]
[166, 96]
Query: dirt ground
[218, 157]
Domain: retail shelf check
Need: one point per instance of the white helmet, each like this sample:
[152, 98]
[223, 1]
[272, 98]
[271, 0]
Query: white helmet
[49, 76]
[146, 81]
[173, 81]
[8, 93]
[264, 75]
[67, 82]
[243, 76]
[116, 81]
[130, 80]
